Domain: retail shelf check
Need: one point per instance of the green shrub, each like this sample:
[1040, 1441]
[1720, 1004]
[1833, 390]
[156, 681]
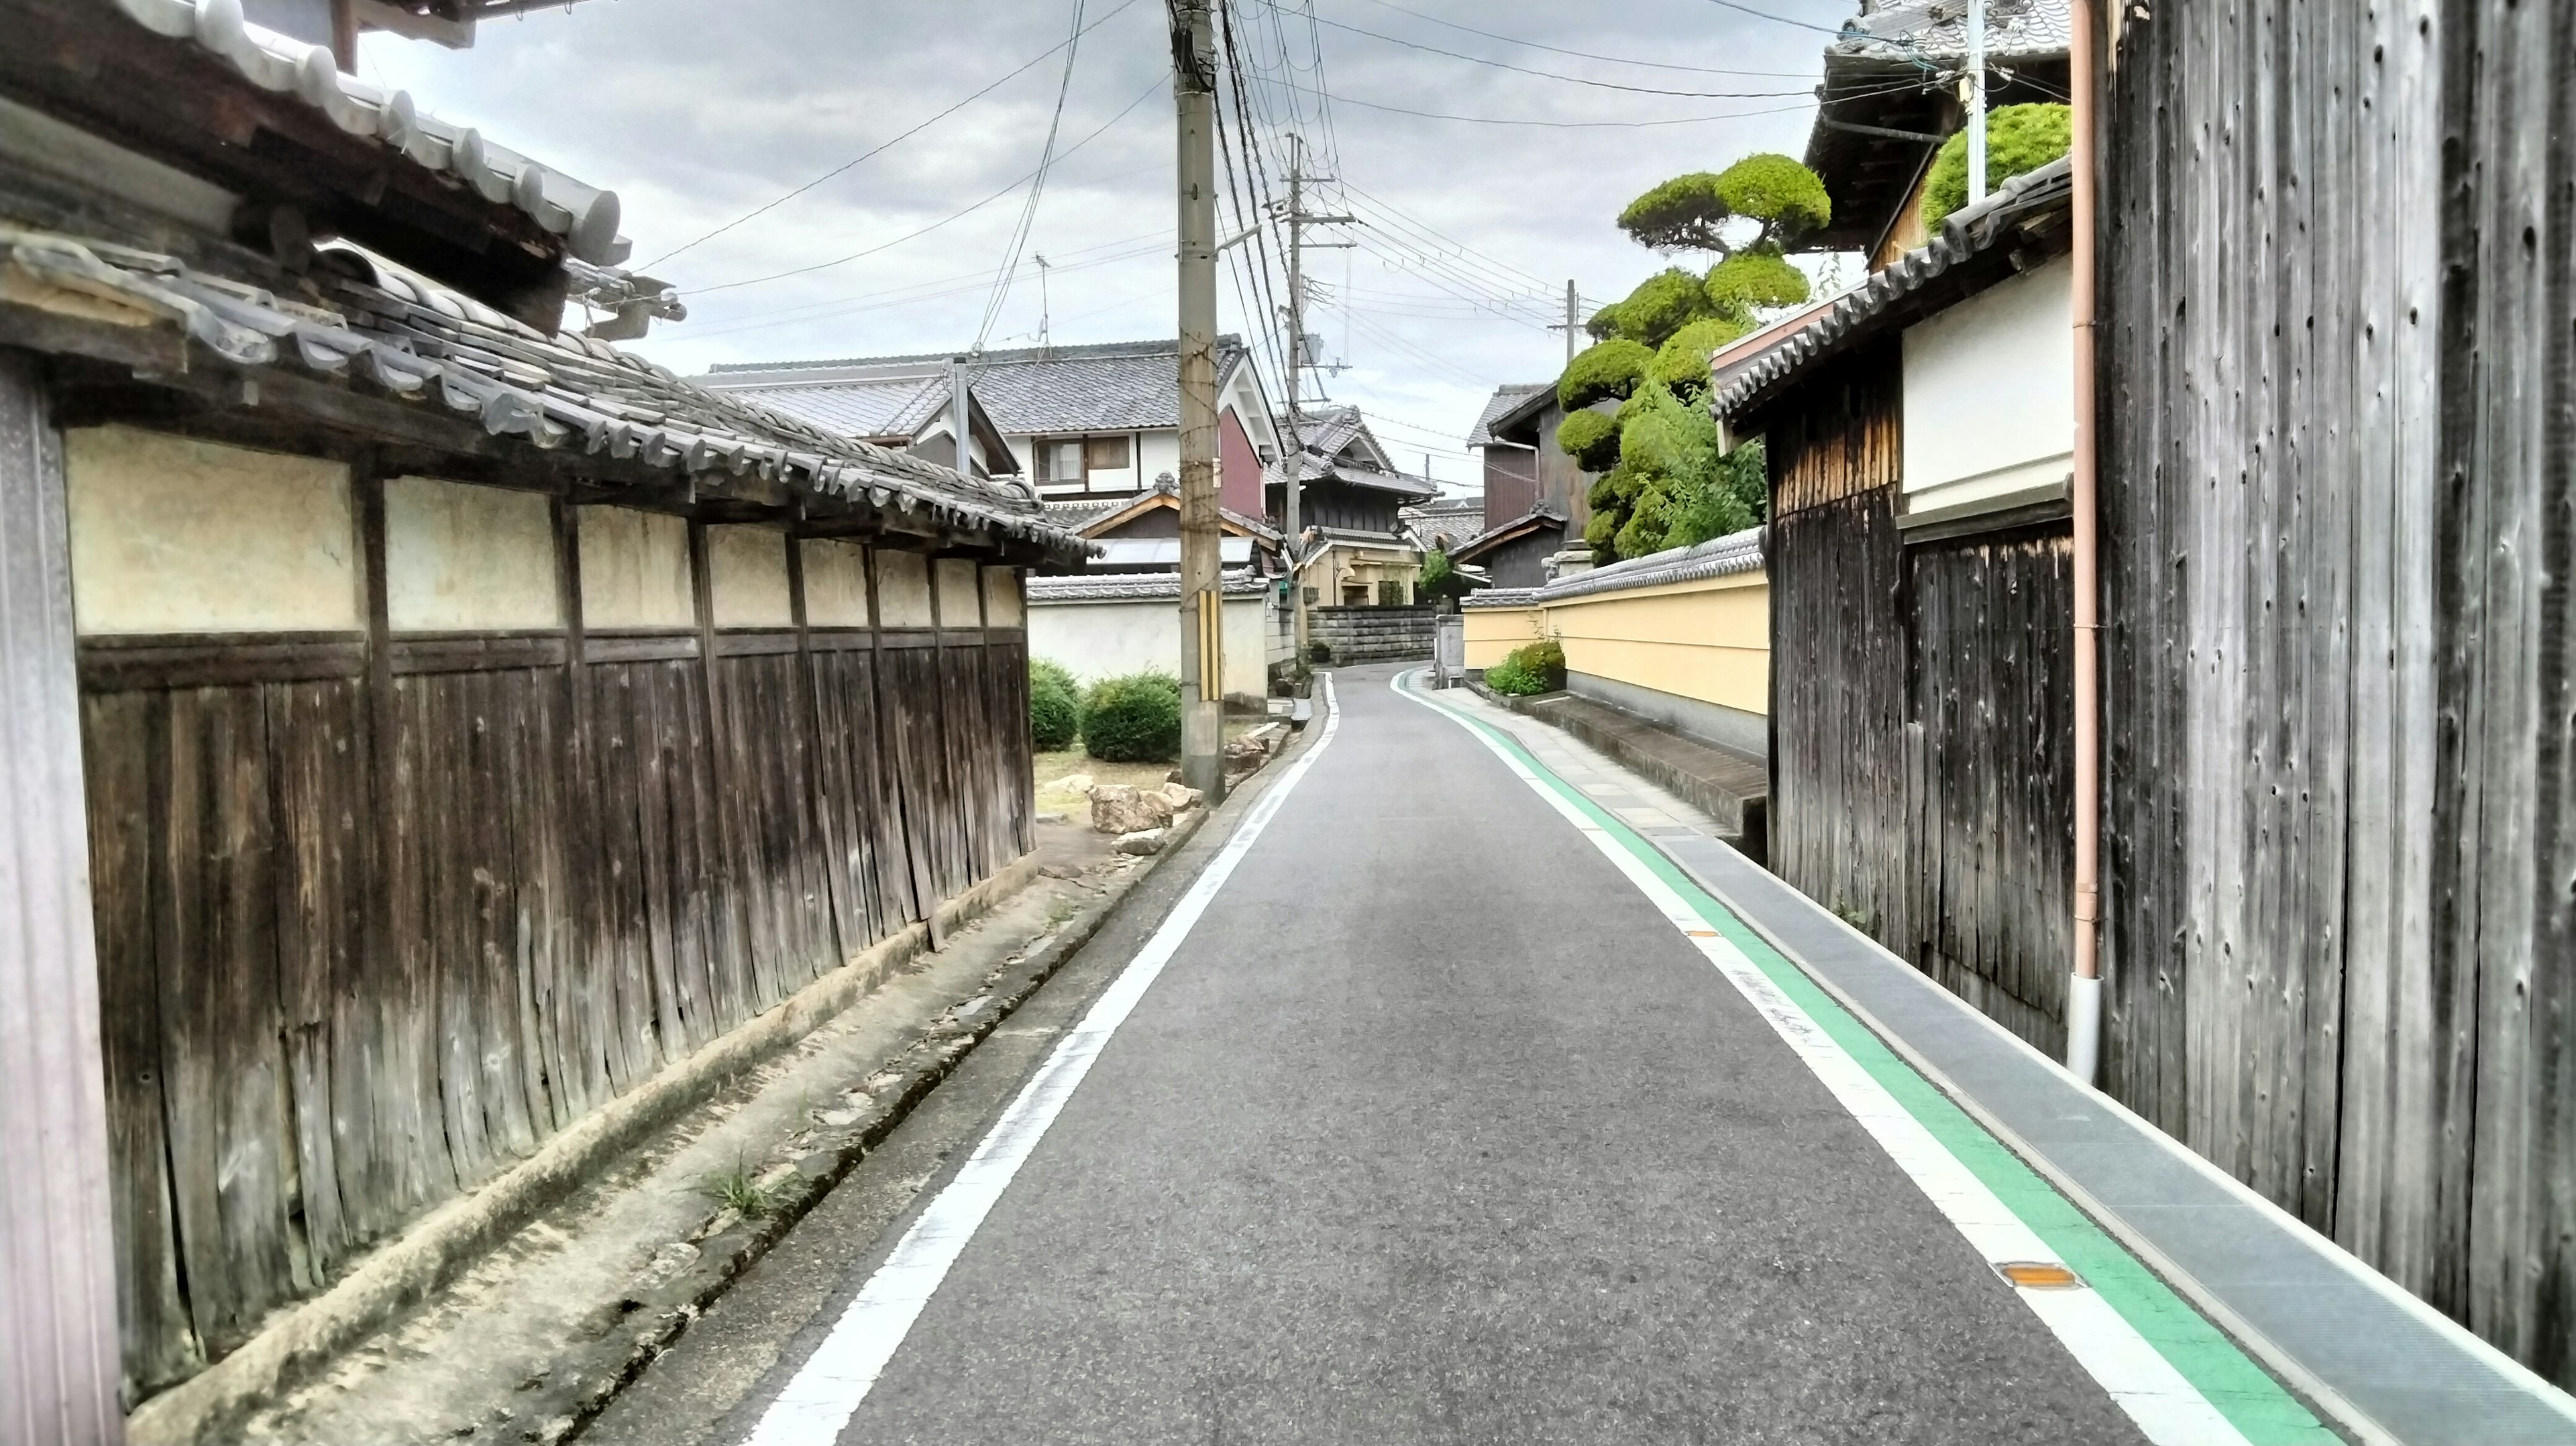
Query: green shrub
[1591, 439]
[1055, 717]
[1690, 212]
[1441, 579]
[1602, 373]
[2019, 138]
[1534, 668]
[1134, 719]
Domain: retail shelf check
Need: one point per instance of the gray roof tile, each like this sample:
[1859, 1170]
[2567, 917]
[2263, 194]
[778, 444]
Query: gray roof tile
[1112, 386]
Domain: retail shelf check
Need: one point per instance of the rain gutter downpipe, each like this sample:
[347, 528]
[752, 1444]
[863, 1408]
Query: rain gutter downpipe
[2084, 988]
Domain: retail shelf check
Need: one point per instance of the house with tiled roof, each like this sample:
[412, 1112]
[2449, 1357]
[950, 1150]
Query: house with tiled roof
[1084, 422]
[1352, 548]
[902, 405]
[1536, 497]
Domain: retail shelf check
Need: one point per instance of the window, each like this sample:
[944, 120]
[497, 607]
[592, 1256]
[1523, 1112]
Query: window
[1390, 594]
[1354, 594]
[1059, 459]
[1105, 454]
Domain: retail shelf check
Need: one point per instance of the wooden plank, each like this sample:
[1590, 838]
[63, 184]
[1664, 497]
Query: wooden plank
[122, 734]
[317, 754]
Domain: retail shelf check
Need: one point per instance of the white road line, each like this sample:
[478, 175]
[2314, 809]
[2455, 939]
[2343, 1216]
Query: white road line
[817, 1403]
[2167, 1408]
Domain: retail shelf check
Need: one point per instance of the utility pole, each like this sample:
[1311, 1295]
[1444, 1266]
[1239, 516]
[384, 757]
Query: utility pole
[1976, 101]
[960, 403]
[1298, 221]
[1202, 601]
[1573, 322]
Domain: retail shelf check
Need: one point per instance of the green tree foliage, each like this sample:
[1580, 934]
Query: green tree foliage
[1055, 717]
[1601, 373]
[2019, 138]
[1784, 199]
[1750, 281]
[1672, 486]
[1441, 578]
[1590, 438]
[1682, 364]
[1134, 719]
[1662, 304]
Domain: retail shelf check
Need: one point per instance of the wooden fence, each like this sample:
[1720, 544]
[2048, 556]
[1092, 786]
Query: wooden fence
[1922, 781]
[378, 913]
[2340, 672]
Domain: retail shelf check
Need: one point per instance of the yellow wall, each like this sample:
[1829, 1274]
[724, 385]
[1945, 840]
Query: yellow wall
[1493, 632]
[1709, 640]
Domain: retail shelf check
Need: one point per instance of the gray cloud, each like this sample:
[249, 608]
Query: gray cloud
[696, 112]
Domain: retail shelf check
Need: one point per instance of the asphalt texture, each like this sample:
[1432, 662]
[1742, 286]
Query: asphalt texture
[1433, 1130]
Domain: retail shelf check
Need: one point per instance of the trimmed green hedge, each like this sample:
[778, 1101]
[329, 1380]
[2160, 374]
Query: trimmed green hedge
[1603, 372]
[1591, 439]
[1134, 719]
[1055, 715]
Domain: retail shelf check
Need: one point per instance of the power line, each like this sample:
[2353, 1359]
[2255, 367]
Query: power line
[1554, 75]
[759, 211]
[952, 216]
[1629, 125]
[1037, 188]
[905, 296]
[1586, 54]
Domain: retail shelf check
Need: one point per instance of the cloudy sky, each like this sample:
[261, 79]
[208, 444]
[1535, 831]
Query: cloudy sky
[699, 112]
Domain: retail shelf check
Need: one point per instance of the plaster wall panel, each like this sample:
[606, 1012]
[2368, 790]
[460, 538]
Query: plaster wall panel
[836, 584]
[1002, 602]
[903, 589]
[747, 569]
[961, 600]
[468, 559]
[172, 535]
[635, 570]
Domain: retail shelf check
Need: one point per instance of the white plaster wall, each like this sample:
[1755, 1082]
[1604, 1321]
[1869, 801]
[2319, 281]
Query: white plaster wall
[961, 596]
[1106, 640]
[176, 536]
[1160, 452]
[468, 559]
[836, 583]
[635, 570]
[1003, 607]
[1990, 392]
[747, 572]
[903, 589]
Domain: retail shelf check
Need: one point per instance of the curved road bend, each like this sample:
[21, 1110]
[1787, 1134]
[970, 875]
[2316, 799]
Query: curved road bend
[1433, 1128]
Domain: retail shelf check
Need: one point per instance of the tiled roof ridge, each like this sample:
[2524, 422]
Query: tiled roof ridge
[585, 216]
[1028, 355]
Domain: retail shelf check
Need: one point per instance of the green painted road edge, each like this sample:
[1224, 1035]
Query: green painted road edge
[2241, 1390]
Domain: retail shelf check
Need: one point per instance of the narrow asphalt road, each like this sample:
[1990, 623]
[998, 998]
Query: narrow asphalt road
[1432, 1129]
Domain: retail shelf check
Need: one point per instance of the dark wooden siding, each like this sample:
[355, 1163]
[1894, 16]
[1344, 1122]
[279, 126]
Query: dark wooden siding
[378, 917]
[2339, 394]
[1922, 782]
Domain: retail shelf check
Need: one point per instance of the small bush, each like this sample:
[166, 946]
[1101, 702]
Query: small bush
[1134, 719]
[2019, 138]
[1319, 651]
[1055, 714]
[1682, 365]
[1662, 304]
[1750, 281]
[1534, 668]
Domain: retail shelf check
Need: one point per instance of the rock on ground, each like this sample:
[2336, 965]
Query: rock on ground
[1121, 809]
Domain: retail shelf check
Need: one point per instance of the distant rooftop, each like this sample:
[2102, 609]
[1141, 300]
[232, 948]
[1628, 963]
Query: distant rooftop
[1101, 387]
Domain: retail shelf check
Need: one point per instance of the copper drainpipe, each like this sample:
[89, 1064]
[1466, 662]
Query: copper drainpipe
[2084, 990]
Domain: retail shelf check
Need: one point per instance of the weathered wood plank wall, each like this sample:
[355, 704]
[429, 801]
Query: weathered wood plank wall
[380, 913]
[2339, 406]
[1922, 783]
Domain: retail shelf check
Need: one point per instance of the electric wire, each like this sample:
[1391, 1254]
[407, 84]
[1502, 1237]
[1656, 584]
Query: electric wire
[1584, 54]
[1558, 76]
[1037, 189]
[880, 149]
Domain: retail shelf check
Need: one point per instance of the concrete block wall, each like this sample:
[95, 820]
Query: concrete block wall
[1372, 634]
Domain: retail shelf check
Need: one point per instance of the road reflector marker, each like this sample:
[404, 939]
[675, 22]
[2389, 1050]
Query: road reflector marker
[2039, 1275]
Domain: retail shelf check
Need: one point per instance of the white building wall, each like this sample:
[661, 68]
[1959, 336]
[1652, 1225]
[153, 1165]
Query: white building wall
[1109, 639]
[1160, 453]
[1990, 392]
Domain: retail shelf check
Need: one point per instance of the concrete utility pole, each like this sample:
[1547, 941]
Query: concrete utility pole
[1572, 326]
[1298, 361]
[1976, 101]
[1202, 605]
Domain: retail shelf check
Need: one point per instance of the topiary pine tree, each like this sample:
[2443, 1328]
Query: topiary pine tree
[1662, 482]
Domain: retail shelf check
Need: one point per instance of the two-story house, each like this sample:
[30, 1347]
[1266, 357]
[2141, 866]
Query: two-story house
[1353, 548]
[1536, 497]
